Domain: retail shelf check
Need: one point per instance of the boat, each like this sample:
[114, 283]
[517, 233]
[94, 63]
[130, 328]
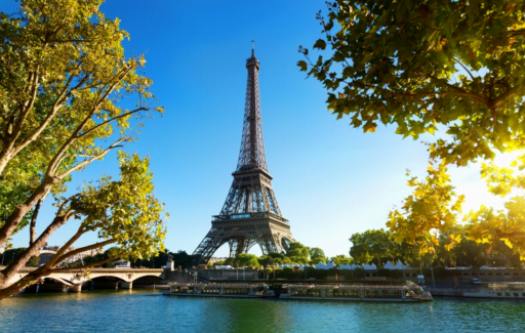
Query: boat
[233, 290]
[498, 290]
[409, 292]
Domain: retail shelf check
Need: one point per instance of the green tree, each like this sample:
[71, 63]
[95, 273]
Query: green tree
[317, 256]
[183, 259]
[297, 253]
[428, 217]
[273, 259]
[156, 261]
[247, 260]
[373, 247]
[453, 66]
[470, 253]
[341, 259]
[502, 180]
[63, 76]
[503, 232]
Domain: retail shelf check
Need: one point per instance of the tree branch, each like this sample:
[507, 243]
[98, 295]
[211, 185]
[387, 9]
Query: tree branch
[56, 257]
[84, 249]
[28, 105]
[32, 224]
[32, 250]
[57, 105]
[86, 267]
[55, 162]
[99, 156]
[50, 178]
[465, 68]
[139, 109]
[509, 93]
[10, 138]
[21, 210]
[27, 280]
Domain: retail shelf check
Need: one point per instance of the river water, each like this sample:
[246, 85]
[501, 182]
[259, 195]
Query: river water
[144, 312]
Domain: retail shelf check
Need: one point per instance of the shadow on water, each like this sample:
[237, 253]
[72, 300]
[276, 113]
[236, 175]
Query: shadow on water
[247, 315]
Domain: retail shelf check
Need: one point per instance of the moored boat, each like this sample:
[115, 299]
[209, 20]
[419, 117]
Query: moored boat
[409, 292]
[498, 290]
[235, 290]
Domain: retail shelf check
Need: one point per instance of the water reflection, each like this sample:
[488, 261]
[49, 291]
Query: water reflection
[138, 312]
[247, 315]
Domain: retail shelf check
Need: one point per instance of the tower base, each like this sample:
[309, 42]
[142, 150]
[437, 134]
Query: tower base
[241, 231]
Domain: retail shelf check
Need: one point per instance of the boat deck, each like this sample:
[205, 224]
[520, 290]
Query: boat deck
[337, 292]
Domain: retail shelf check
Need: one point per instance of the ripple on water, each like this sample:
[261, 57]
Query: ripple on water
[139, 312]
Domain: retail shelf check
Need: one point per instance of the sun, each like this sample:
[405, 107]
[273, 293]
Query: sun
[468, 181]
[508, 159]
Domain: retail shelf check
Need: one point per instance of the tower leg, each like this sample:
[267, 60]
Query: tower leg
[240, 245]
[208, 246]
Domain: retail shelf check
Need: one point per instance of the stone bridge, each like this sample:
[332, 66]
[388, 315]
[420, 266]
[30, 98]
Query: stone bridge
[74, 278]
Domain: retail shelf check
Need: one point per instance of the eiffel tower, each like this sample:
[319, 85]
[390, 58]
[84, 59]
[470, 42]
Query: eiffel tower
[250, 215]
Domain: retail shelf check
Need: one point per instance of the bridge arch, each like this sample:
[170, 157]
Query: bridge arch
[105, 281]
[146, 275]
[58, 279]
[120, 276]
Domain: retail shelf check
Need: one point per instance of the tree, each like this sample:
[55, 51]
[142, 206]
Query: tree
[427, 218]
[470, 253]
[373, 247]
[317, 256]
[503, 232]
[157, 261]
[453, 66]
[502, 180]
[183, 259]
[341, 259]
[298, 253]
[273, 259]
[63, 76]
[247, 260]
[122, 212]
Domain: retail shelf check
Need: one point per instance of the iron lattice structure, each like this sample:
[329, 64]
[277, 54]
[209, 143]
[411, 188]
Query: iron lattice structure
[250, 215]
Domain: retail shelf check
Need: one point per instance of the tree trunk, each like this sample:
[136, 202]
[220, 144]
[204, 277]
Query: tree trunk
[20, 211]
[4, 159]
[9, 273]
[32, 225]
[21, 284]
[432, 275]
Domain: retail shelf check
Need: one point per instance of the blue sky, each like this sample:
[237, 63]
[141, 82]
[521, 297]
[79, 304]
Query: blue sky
[330, 180]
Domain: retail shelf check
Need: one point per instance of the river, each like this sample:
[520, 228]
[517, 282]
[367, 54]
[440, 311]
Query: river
[145, 312]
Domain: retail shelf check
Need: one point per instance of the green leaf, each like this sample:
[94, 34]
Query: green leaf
[302, 65]
[320, 44]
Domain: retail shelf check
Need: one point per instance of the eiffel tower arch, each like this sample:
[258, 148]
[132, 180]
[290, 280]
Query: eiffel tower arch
[250, 215]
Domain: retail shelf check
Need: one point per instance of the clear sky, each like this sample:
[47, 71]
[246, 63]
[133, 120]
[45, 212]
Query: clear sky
[330, 180]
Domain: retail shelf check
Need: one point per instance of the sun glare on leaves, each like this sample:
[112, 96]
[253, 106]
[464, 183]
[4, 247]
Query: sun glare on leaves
[490, 183]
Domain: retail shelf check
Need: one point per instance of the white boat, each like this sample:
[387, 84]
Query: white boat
[499, 290]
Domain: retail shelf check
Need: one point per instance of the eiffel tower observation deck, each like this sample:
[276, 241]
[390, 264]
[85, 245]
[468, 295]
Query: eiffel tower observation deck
[250, 215]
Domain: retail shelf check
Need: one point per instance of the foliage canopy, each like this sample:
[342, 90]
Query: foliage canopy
[451, 66]
[64, 85]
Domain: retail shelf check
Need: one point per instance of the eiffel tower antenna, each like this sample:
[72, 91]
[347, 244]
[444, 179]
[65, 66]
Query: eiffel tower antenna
[250, 215]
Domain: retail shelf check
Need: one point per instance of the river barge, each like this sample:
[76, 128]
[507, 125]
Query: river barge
[498, 290]
[409, 292]
[232, 290]
[357, 292]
